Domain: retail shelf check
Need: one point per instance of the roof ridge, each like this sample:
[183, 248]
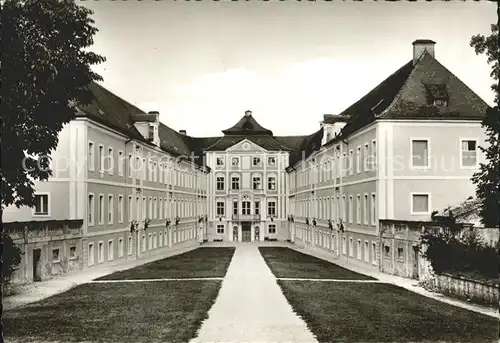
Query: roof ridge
[116, 96]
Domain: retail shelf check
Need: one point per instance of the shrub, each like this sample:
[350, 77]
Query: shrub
[11, 256]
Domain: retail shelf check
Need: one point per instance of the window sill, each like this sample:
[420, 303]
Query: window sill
[56, 261]
[73, 258]
[42, 215]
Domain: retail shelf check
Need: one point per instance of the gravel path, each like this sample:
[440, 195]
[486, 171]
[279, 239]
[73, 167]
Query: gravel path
[251, 307]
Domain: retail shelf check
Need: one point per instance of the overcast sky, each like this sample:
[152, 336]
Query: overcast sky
[202, 64]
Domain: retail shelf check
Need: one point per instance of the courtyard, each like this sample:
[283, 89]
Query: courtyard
[243, 294]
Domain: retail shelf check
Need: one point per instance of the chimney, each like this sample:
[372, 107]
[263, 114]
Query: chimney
[248, 113]
[182, 132]
[421, 45]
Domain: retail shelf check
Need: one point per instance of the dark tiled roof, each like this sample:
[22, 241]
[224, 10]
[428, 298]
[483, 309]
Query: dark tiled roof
[405, 95]
[265, 141]
[428, 79]
[247, 126]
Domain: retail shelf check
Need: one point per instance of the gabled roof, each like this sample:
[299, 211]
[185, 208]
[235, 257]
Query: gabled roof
[465, 212]
[247, 126]
[265, 141]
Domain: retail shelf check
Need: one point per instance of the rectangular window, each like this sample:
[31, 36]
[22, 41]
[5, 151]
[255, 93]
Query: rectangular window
[235, 207]
[91, 158]
[160, 174]
[72, 253]
[366, 157]
[130, 166]
[344, 209]
[110, 165]
[144, 213]
[130, 246]
[365, 209]
[373, 215]
[220, 183]
[351, 247]
[367, 252]
[130, 208]
[91, 209]
[155, 208]
[120, 163]
[420, 153]
[256, 183]
[150, 170]
[344, 246]
[271, 183]
[110, 209]
[351, 210]
[257, 207]
[374, 155]
[358, 250]
[271, 208]
[374, 252]
[41, 205]
[110, 250]
[271, 160]
[160, 239]
[155, 172]
[120, 209]
[220, 208]
[235, 161]
[144, 166]
[420, 203]
[245, 207]
[387, 251]
[100, 252]
[272, 229]
[358, 209]
[160, 208]
[150, 209]
[101, 209]
[351, 162]
[55, 256]
[91, 254]
[220, 161]
[220, 229]
[401, 255]
[120, 247]
[256, 161]
[155, 240]
[235, 182]
[100, 158]
[469, 153]
[358, 160]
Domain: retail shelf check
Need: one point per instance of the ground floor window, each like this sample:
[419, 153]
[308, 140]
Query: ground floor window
[154, 240]
[120, 247]
[374, 252]
[100, 252]
[91, 254]
[55, 255]
[351, 247]
[72, 253]
[358, 250]
[344, 246]
[367, 252]
[160, 239]
[220, 229]
[272, 229]
[130, 247]
[143, 243]
[110, 250]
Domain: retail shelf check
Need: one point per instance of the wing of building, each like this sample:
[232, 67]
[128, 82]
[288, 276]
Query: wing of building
[132, 185]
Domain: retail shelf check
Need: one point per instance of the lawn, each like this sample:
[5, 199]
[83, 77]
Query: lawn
[170, 311]
[198, 263]
[376, 312]
[289, 263]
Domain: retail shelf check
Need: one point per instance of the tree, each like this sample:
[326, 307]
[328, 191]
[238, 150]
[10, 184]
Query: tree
[487, 179]
[45, 69]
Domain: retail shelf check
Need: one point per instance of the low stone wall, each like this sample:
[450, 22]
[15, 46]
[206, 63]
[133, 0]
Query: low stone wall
[480, 292]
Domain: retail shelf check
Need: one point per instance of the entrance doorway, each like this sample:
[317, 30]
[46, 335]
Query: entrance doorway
[245, 232]
[37, 265]
[235, 234]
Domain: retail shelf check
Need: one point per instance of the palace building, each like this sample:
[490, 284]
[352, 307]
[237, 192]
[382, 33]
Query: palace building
[135, 185]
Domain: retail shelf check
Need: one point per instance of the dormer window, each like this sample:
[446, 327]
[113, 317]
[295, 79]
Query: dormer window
[151, 132]
[437, 95]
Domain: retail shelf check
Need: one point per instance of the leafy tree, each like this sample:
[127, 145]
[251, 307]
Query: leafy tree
[45, 69]
[487, 180]
[11, 258]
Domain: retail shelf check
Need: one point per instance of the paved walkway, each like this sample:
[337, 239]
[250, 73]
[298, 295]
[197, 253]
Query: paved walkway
[409, 284]
[40, 290]
[251, 307]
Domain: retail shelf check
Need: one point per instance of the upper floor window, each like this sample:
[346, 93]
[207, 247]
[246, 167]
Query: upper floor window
[468, 153]
[351, 162]
[256, 182]
[420, 203]
[235, 161]
[271, 183]
[235, 182]
[420, 152]
[110, 161]
[220, 161]
[271, 208]
[101, 158]
[91, 156]
[41, 204]
[220, 183]
[120, 163]
[257, 207]
[245, 207]
[220, 208]
[256, 161]
[366, 157]
[271, 160]
[155, 172]
[358, 160]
